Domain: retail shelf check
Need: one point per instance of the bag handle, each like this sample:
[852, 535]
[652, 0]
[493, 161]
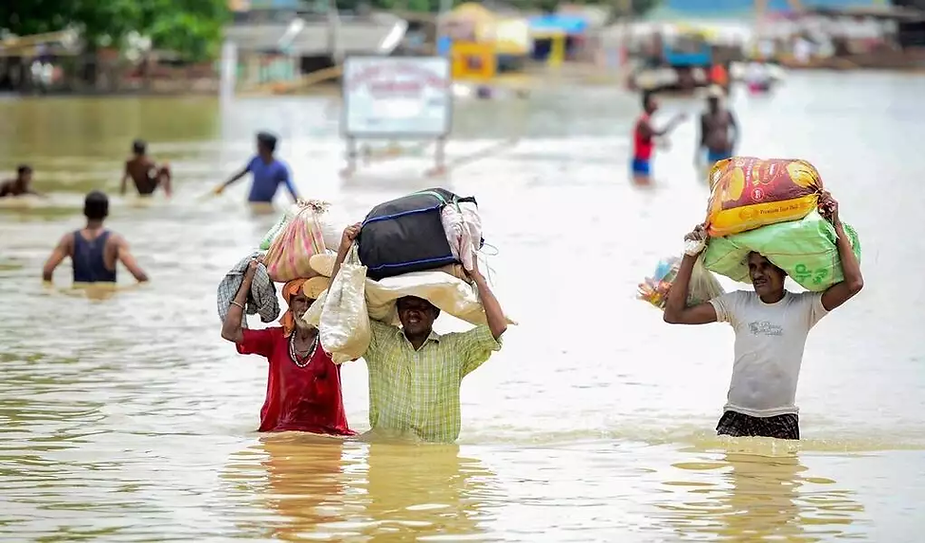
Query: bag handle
[353, 255]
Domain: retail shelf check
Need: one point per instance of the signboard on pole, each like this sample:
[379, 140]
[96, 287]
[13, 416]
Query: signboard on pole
[397, 97]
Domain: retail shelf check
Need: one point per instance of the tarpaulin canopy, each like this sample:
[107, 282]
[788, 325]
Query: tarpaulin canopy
[557, 24]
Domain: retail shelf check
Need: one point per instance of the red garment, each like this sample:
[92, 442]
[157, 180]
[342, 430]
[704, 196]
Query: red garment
[719, 75]
[642, 145]
[298, 399]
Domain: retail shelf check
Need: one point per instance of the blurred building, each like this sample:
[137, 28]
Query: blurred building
[911, 33]
[279, 40]
[816, 33]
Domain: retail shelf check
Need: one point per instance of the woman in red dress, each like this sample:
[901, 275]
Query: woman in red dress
[303, 387]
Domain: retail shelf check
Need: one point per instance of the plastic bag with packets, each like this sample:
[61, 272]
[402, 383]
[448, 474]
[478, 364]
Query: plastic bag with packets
[703, 285]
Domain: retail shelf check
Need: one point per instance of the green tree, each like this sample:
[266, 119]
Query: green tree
[192, 28]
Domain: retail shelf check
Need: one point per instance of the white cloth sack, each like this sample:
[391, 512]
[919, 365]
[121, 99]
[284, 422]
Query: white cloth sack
[312, 315]
[450, 295]
[463, 226]
[344, 322]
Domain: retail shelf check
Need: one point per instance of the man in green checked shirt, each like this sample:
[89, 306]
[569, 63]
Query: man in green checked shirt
[415, 373]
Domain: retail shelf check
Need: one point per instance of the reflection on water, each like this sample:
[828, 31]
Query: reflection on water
[325, 488]
[748, 496]
[425, 491]
[125, 417]
[306, 483]
[91, 291]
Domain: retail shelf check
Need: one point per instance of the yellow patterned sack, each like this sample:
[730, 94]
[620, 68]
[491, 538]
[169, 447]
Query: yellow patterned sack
[748, 193]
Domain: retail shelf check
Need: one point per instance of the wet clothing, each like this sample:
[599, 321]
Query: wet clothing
[642, 167]
[642, 145]
[715, 156]
[302, 399]
[88, 259]
[719, 75]
[769, 343]
[417, 392]
[267, 178]
[739, 425]
[150, 184]
[642, 150]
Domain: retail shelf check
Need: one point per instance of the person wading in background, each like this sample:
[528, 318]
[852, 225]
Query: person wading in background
[144, 172]
[770, 326]
[268, 171]
[94, 250]
[19, 186]
[644, 138]
[719, 131]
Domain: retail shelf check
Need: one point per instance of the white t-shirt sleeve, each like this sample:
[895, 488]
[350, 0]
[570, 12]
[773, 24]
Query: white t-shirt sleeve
[727, 307]
[812, 304]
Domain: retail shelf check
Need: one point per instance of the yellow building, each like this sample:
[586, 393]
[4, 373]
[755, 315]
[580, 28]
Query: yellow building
[483, 42]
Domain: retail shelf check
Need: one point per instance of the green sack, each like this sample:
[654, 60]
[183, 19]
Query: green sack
[805, 249]
[273, 232]
[281, 224]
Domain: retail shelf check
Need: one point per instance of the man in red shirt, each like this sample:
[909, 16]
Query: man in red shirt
[303, 386]
[644, 135]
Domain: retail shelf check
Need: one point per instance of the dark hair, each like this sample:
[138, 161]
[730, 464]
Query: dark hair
[139, 146]
[23, 169]
[401, 301]
[748, 254]
[647, 97]
[96, 206]
[267, 140]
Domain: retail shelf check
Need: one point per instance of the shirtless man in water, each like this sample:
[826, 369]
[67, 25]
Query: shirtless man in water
[19, 186]
[719, 132]
[144, 172]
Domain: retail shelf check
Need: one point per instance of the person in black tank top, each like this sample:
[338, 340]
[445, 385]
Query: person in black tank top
[89, 258]
[93, 249]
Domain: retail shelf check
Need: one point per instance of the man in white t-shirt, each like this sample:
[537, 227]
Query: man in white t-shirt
[770, 326]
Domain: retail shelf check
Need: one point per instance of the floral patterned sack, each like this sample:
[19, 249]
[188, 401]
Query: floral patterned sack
[291, 250]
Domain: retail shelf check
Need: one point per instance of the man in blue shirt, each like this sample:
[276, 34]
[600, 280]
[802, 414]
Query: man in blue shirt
[268, 173]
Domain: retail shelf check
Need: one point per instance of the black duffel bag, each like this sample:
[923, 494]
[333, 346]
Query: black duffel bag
[406, 234]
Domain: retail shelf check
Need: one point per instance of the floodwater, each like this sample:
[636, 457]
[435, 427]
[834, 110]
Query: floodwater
[125, 417]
